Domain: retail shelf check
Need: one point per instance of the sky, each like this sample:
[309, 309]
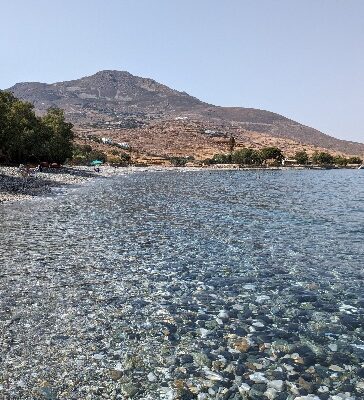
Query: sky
[303, 59]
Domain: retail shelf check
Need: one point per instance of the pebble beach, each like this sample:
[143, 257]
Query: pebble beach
[14, 187]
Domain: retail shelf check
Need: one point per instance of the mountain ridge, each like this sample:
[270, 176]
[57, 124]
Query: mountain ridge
[123, 100]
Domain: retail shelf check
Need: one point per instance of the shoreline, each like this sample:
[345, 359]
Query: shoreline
[14, 187]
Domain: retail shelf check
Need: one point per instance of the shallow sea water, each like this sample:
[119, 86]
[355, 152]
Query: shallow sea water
[184, 285]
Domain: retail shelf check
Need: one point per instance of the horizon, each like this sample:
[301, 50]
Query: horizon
[303, 62]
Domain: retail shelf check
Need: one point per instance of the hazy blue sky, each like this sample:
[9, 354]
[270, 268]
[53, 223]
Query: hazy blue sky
[300, 58]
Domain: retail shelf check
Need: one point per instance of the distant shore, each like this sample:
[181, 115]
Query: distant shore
[14, 187]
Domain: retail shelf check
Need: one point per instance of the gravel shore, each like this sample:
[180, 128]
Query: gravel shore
[14, 187]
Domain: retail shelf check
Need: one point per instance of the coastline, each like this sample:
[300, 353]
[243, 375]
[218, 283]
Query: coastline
[14, 187]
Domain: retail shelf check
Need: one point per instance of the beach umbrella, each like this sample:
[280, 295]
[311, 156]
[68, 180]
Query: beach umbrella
[96, 162]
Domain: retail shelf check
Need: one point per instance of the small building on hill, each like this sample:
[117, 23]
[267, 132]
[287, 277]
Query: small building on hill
[106, 140]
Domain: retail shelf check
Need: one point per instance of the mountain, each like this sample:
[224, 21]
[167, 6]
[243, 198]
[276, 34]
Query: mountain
[120, 100]
[109, 94]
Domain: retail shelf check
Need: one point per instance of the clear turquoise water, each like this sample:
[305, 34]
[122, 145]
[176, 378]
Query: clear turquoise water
[285, 248]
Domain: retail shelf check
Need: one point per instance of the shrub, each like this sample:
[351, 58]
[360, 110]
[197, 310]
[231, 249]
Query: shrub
[178, 161]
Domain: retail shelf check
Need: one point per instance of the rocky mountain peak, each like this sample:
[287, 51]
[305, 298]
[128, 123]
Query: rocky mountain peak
[116, 98]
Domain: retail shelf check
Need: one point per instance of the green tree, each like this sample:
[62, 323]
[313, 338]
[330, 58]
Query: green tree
[256, 157]
[25, 137]
[340, 160]
[301, 157]
[19, 129]
[6, 99]
[246, 156]
[60, 135]
[271, 153]
[355, 160]
[322, 158]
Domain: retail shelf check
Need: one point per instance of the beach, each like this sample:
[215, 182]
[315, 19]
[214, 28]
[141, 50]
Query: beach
[14, 187]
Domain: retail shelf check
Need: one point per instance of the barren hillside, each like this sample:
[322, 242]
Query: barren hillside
[156, 118]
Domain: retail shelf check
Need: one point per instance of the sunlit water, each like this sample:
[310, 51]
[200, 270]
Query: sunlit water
[166, 264]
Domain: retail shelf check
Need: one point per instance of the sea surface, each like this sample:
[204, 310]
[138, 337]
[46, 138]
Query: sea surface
[186, 285]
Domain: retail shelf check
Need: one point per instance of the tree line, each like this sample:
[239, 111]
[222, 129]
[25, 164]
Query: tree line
[247, 156]
[25, 137]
